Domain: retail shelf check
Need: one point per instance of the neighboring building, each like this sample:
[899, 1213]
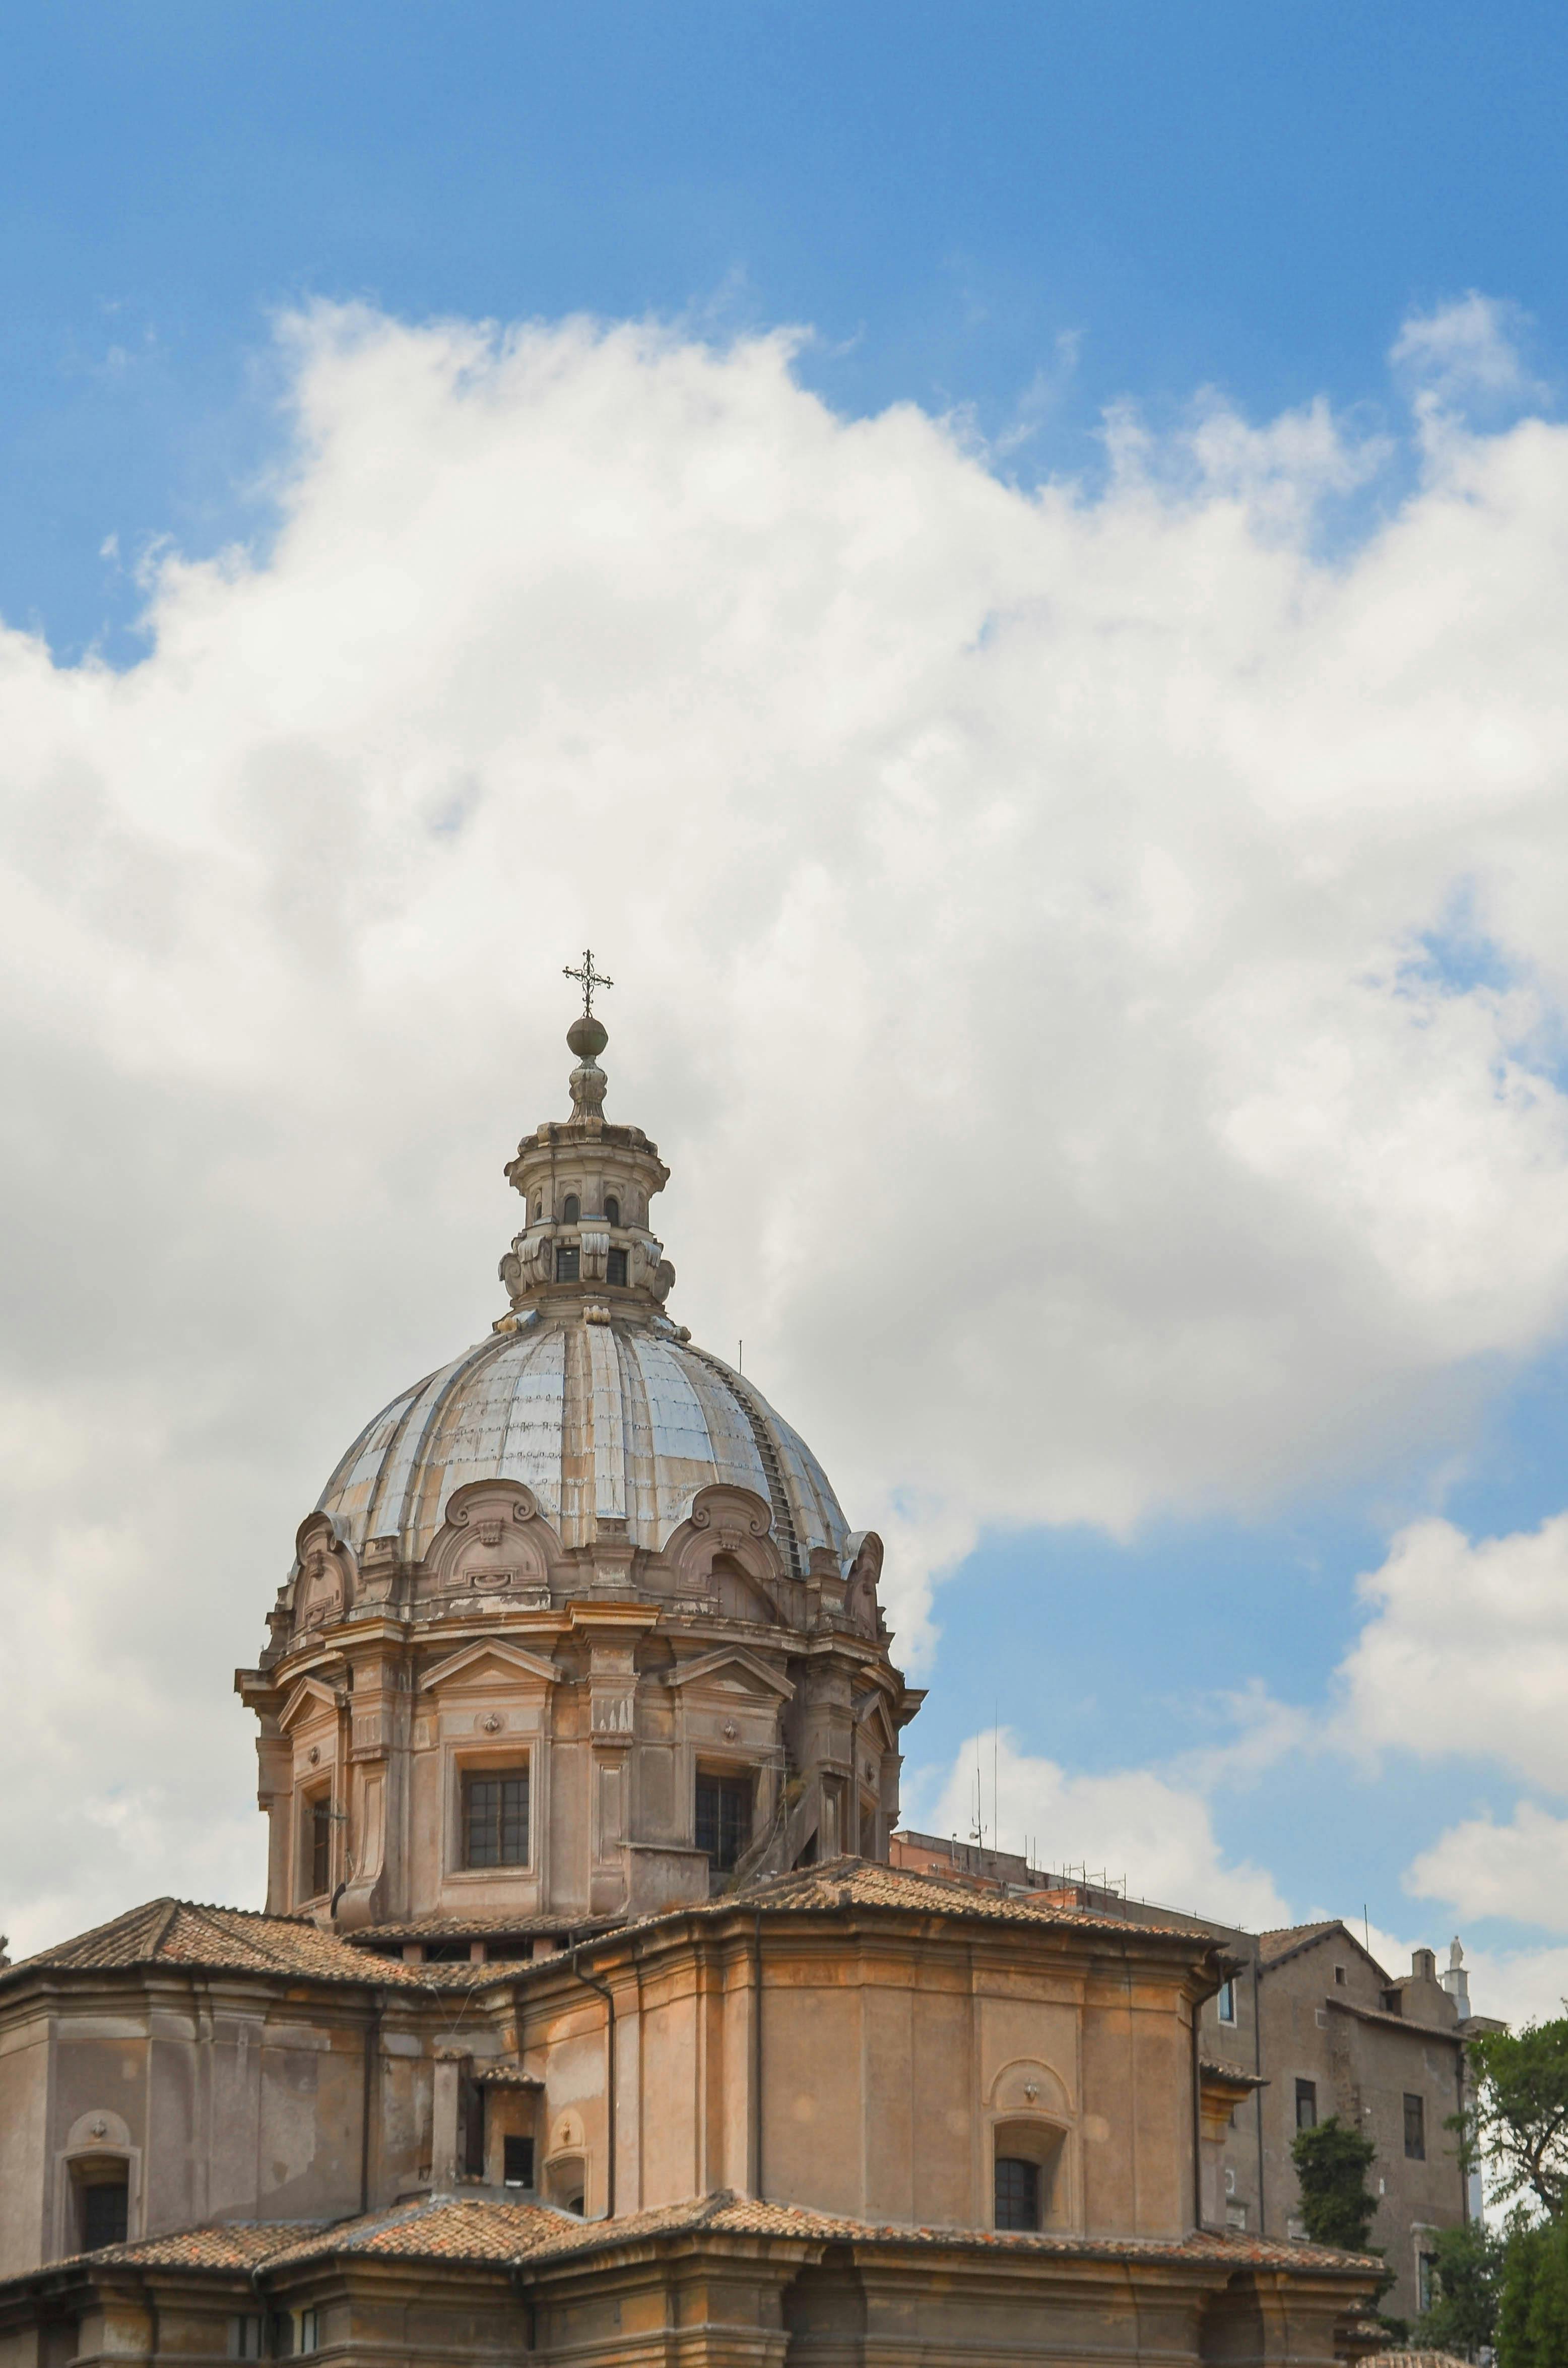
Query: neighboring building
[588, 2016]
[1309, 2024]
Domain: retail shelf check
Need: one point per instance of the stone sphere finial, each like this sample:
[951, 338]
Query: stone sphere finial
[588, 1036]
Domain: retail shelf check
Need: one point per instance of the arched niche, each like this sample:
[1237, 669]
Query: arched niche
[726, 1541]
[1030, 2118]
[493, 1541]
[326, 1575]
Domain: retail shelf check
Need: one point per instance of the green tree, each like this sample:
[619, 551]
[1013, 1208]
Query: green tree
[1532, 2315]
[1518, 2119]
[1332, 2162]
[1469, 2262]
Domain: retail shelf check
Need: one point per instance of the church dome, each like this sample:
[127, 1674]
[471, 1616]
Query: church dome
[585, 1392]
[619, 1420]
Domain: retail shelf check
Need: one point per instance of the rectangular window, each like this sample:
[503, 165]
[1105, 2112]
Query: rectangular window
[320, 1847]
[566, 1261]
[1340, 1976]
[309, 2330]
[518, 2161]
[1017, 2192]
[1415, 2129]
[615, 1267]
[723, 1819]
[1306, 2105]
[1425, 2279]
[471, 2126]
[495, 1820]
[245, 2336]
[1227, 2001]
[106, 2212]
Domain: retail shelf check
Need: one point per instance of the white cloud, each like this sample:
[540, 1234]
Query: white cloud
[1465, 349]
[1020, 904]
[1465, 1654]
[1518, 1870]
[1134, 1825]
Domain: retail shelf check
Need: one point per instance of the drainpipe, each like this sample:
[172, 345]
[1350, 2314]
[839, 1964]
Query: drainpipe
[372, 2057]
[1257, 2093]
[756, 2050]
[590, 1982]
[1196, 2126]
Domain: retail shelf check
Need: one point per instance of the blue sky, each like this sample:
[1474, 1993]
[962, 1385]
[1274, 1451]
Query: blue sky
[1031, 209]
[1016, 218]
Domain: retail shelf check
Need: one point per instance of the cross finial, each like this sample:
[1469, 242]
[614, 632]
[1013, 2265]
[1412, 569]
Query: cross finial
[587, 979]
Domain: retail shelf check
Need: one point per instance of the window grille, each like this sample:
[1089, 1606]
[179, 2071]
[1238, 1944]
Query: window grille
[495, 1820]
[471, 2125]
[1306, 2105]
[1415, 2129]
[723, 1819]
[1017, 2192]
[615, 1267]
[106, 2212]
[321, 1846]
[567, 1257]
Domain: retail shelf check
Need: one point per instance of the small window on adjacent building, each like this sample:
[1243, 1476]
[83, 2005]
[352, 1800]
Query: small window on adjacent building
[1306, 2104]
[723, 1819]
[615, 1268]
[1340, 1976]
[245, 2336]
[1226, 2003]
[566, 1260]
[1017, 2192]
[106, 2210]
[1425, 2279]
[1415, 2129]
[570, 1209]
[518, 2161]
[613, 1210]
[495, 1818]
[321, 1846]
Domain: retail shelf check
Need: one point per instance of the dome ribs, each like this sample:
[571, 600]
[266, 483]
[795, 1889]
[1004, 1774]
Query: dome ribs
[783, 1516]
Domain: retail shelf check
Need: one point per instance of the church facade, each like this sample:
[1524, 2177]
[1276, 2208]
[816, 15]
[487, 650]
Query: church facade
[586, 2017]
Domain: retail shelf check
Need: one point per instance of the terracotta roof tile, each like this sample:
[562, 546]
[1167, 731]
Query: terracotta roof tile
[481, 1927]
[233, 2244]
[239, 1939]
[860, 1882]
[1286, 1939]
[461, 2228]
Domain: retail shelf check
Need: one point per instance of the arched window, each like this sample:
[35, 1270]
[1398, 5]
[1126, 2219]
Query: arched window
[613, 1210]
[570, 1209]
[539, 1208]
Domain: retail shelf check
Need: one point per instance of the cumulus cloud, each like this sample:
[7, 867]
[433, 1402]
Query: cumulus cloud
[1518, 1870]
[1465, 1653]
[1136, 1827]
[1466, 350]
[1029, 912]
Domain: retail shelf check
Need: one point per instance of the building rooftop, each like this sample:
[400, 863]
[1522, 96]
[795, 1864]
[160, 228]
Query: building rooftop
[473, 2230]
[177, 1932]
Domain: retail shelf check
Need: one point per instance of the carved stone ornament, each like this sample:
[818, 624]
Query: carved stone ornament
[492, 1722]
[314, 1754]
[730, 1730]
[99, 2127]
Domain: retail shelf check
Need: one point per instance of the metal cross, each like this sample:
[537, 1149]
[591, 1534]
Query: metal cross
[587, 979]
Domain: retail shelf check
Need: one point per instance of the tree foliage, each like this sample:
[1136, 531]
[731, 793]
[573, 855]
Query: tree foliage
[1469, 2263]
[1532, 2314]
[1332, 2162]
[1518, 2123]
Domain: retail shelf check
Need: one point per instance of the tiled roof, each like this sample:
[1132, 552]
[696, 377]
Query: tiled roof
[461, 2228]
[233, 1940]
[481, 1927]
[1287, 1939]
[235, 2245]
[860, 1882]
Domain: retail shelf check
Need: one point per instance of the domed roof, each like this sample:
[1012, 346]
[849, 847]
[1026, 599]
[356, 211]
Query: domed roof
[601, 1419]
